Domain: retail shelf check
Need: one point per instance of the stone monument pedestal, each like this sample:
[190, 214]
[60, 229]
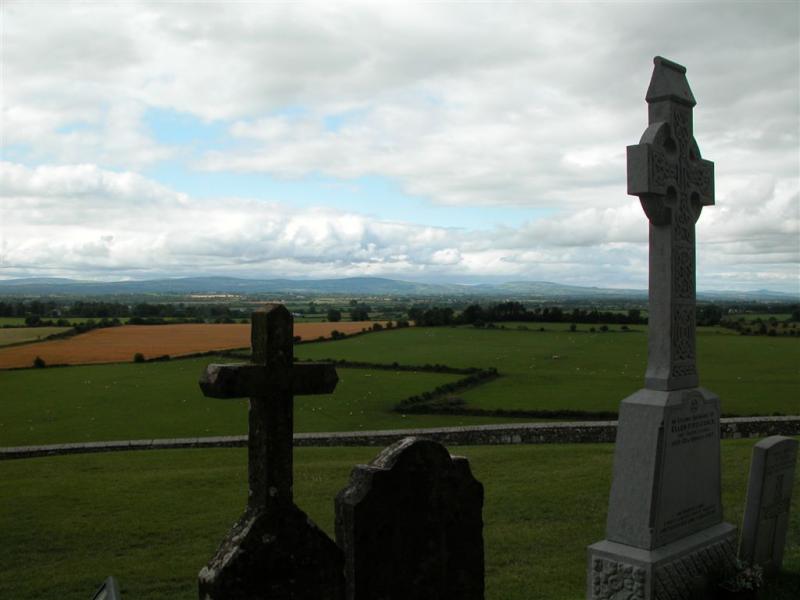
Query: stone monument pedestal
[665, 573]
[664, 525]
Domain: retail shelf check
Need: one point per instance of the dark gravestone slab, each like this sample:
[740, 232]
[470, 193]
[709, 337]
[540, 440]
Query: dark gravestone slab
[411, 527]
[274, 551]
[769, 497]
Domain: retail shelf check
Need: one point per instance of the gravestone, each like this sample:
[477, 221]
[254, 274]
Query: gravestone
[664, 531]
[410, 524]
[108, 591]
[769, 496]
[274, 550]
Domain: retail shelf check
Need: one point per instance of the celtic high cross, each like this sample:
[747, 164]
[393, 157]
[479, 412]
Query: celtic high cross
[673, 184]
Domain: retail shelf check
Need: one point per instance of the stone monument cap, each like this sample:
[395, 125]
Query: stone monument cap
[669, 83]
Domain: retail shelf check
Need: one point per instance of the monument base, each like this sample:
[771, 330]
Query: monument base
[274, 554]
[671, 572]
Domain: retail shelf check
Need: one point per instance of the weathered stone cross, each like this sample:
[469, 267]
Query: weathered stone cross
[271, 381]
[274, 551]
[673, 184]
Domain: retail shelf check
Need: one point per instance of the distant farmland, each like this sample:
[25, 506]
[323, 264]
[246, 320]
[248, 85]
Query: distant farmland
[119, 344]
[19, 335]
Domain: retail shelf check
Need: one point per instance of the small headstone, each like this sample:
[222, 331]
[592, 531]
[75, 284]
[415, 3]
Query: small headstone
[274, 551]
[769, 496]
[108, 591]
[411, 527]
[665, 536]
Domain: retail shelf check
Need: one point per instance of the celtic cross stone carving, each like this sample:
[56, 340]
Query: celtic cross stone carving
[673, 184]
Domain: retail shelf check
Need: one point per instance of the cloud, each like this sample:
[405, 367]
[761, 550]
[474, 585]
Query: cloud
[516, 104]
[72, 220]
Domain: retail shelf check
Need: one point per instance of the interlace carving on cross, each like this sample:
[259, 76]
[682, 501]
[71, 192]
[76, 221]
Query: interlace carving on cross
[271, 381]
[673, 183]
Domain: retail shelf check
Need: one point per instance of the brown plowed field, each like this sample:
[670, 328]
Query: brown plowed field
[119, 344]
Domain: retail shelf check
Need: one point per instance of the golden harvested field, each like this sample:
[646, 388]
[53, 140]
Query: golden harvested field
[119, 344]
[17, 335]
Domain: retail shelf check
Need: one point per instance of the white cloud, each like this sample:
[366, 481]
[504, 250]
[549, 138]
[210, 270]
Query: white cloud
[83, 219]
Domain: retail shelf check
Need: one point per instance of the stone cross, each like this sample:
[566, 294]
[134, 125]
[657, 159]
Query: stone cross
[673, 184]
[274, 551]
[271, 381]
[665, 533]
[769, 498]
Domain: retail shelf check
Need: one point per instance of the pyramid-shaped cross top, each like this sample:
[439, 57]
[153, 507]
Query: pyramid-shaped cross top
[271, 381]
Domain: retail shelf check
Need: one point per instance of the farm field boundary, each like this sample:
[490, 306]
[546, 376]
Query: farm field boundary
[120, 344]
[478, 435]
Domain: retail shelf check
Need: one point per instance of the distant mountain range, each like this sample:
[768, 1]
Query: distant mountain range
[367, 286]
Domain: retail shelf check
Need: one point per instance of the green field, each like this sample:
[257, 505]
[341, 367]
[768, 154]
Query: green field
[20, 335]
[557, 369]
[153, 519]
[551, 370]
[163, 400]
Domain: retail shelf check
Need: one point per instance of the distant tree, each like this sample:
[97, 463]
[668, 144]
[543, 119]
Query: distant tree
[334, 315]
[39, 363]
[573, 327]
[472, 313]
[708, 314]
[359, 313]
[138, 357]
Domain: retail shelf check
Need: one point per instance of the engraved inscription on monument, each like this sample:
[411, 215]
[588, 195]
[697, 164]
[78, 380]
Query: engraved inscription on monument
[689, 498]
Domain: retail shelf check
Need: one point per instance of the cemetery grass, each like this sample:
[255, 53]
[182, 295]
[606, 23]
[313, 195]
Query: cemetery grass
[153, 519]
[163, 400]
[557, 369]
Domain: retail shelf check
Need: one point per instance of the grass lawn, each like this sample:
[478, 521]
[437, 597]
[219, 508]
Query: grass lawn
[153, 519]
[557, 369]
[163, 400]
[19, 335]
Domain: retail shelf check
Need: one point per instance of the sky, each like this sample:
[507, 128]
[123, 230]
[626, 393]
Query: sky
[440, 141]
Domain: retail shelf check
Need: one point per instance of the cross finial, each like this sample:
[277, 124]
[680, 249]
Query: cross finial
[271, 336]
[669, 83]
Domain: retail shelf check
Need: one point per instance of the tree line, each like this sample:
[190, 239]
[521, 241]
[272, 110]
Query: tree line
[476, 314]
[110, 310]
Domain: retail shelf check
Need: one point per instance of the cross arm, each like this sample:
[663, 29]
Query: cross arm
[241, 380]
[649, 169]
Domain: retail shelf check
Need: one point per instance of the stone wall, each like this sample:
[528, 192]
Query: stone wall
[524, 433]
